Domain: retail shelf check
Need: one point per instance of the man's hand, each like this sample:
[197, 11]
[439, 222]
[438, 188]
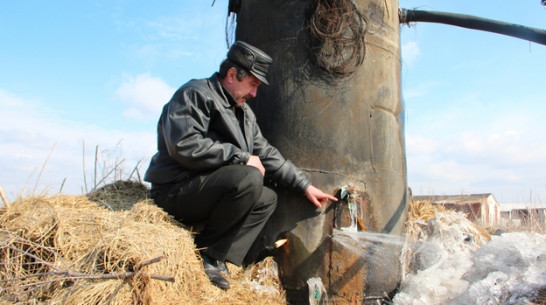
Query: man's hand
[318, 197]
[255, 161]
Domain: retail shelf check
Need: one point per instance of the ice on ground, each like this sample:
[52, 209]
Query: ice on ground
[452, 265]
[510, 269]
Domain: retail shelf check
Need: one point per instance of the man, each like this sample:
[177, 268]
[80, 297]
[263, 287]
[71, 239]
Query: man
[212, 158]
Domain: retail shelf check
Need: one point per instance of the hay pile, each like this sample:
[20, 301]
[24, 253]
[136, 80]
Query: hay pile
[70, 250]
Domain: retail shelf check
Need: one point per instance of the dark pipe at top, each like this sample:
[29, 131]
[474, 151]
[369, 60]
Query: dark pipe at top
[475, 23]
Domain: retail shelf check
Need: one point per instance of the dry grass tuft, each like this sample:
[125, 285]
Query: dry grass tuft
[120, 195]
[423, 210]
[69, 250]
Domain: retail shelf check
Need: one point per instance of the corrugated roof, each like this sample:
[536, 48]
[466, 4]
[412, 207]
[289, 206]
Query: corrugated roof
[457, 199]
[504, 207]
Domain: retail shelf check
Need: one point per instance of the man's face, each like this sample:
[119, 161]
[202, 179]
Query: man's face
[243, 89]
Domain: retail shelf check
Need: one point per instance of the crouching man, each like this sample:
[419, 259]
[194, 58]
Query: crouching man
[212, 158]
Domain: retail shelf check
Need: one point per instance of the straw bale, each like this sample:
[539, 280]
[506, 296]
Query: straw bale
[69, 250]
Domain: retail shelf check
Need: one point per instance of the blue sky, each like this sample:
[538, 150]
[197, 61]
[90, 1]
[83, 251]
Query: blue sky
[77, 75]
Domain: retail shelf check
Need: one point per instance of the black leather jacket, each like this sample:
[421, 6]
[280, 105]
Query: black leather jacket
[198, 131]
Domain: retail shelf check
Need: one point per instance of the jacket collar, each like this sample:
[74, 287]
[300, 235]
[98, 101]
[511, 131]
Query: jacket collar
[228, 99]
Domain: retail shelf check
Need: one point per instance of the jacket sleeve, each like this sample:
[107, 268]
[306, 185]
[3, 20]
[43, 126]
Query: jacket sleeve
[185, 124]
[278, 168]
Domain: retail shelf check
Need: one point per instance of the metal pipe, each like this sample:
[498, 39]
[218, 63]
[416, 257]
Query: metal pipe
[475, 23]
[342, 130]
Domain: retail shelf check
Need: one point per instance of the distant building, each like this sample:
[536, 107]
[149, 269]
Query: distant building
[522, 213]
[482, 209]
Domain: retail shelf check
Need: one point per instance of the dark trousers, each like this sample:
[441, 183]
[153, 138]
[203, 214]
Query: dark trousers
[231, 203]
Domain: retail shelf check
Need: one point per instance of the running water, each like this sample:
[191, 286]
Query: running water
[366, 241]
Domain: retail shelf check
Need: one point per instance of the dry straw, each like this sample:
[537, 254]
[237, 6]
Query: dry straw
[71, 250]
[4, 198]
[119, 248]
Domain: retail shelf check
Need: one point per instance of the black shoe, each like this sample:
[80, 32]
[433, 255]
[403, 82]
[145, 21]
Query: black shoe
[213, 271]
[223, 269]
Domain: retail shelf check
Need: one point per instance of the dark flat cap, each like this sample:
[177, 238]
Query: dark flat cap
[250, 58]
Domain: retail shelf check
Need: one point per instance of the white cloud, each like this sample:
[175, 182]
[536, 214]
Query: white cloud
[152, 53]
[448, 170]
[410, 52]
[421, 145]
[175, 35]
[145, 95]
[506, 146]
[418, 91]
[29, 131]
[473, 143]
[506, 162]
[175, 28]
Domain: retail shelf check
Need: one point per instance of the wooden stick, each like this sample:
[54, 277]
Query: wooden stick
[148, 262]
[4, 198]
[73, 276]
[83, 165]
[162, 278]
